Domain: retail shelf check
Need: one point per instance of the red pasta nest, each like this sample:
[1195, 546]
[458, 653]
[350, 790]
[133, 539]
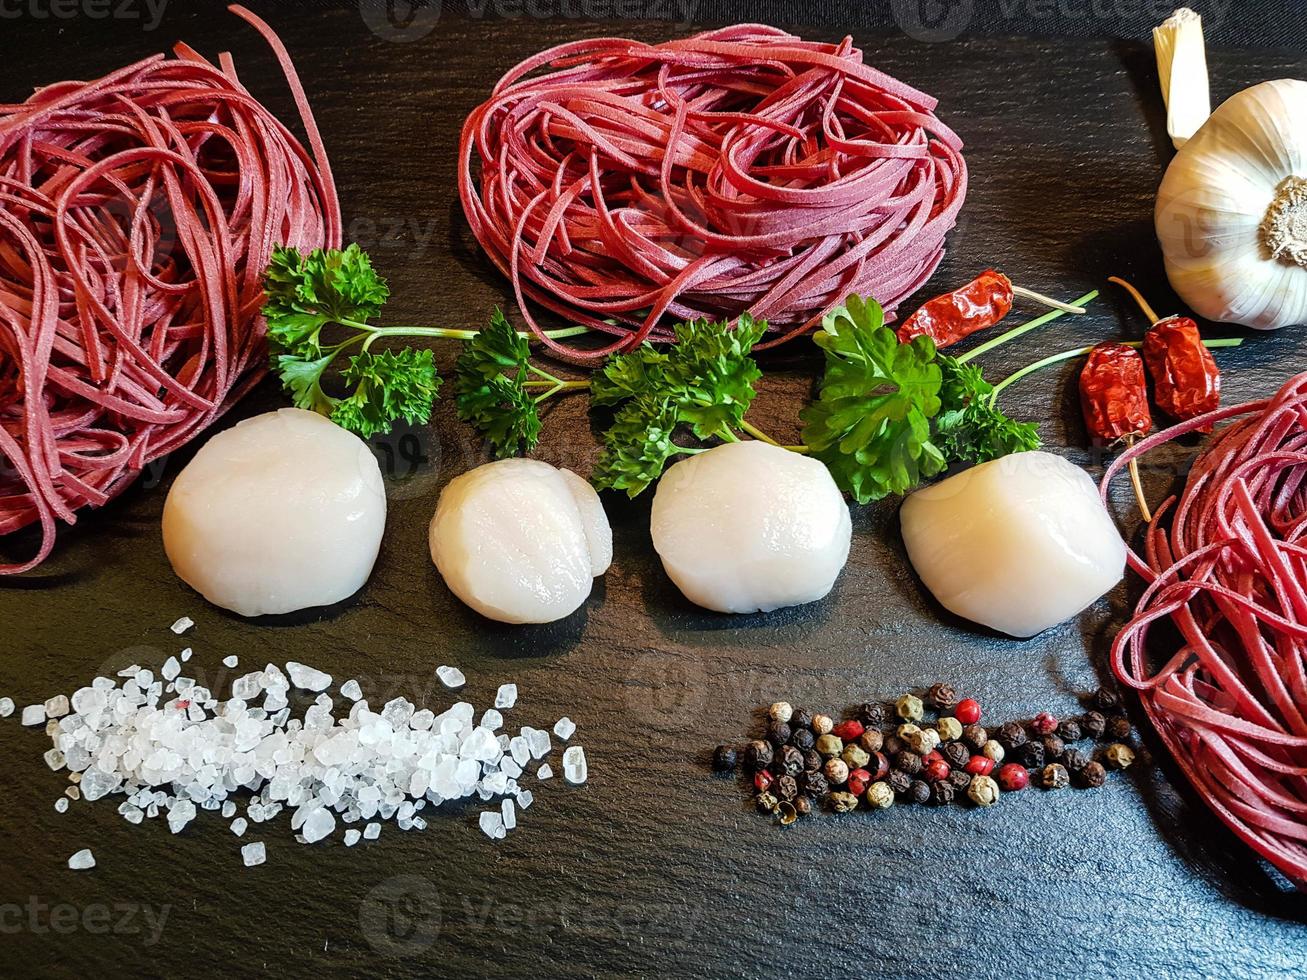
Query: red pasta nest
[744, 169]
[137, 213]
[1231, 573]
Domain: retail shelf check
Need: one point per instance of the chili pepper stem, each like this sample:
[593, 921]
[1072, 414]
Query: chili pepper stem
[1138, 297]
[1133, 466]
[1046, 300]
[1024, 328]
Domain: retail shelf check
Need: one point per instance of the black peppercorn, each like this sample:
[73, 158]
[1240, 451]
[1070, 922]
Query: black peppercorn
[1093, 775]
[812, 761]
[942, 696]
[899, 781]
[758, 755]
[787, 787]
[801, 718]
[872, 740]
[871, 714]
[960, 779]
[788, 762]
[723, 759]
[1011, 735]
[803, 805]
[908, 761]
[942, 793]
[956, 754]
[877, 765]
[1118, 728]
[893, 745]
[1106, 700]
[1075, 759]
[919, 791]
[1030, 755]
[802, 739]
[778, 732]
[1053, 748]
[815, 784]
[1069, 730]
[975, 736]
[1093, 724]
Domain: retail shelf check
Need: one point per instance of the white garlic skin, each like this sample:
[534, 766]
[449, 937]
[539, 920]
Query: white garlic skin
[1214, 198]
[282, 512]
[747, 527]
[520, 541]
[1018, 544]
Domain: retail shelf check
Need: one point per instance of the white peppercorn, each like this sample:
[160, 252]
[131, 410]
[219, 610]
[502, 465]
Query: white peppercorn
[880, 796]
[983, 791]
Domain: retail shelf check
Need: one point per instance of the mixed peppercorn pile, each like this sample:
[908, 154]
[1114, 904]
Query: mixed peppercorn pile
[806, 760]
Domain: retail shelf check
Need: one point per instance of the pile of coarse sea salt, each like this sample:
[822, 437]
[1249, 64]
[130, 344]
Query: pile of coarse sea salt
[172, 748]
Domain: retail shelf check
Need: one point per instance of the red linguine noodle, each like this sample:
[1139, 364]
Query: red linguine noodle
[137, 213]
[744, 169]
[1226, 562]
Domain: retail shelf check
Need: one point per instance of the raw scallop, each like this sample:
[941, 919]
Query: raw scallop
[520, 541]
[1019, 544]
[748, 527]
[284, 511]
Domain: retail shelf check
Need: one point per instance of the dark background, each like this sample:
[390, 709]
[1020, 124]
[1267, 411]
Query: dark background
[655, 867]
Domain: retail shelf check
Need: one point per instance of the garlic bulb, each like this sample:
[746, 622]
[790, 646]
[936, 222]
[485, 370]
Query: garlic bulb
[1231, 213]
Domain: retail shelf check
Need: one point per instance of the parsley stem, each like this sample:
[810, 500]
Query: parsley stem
[757, 433]
[1024, 328]
[449, 333]
[1068, 355]
[555, 388]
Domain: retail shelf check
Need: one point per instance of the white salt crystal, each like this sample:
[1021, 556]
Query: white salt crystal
[565, 728]
[450, 676]
[372, 831]
[352, 837]
[182, 625]
[231, 661]
[506, 696]
[351, 690]
[61, 804]
[307, 678]
[318, 825]
[509, 814]
[6, 707]
[33, 715]
[228, 810]
[56, 707]
[238, 826]
[539, 742]
[492, 719]
[54, 759]
[574, 766]
[525, 798]
[186, 654]
[83, 860]
[492, 824]
[545, 772]
[254, 854]
[171, 668]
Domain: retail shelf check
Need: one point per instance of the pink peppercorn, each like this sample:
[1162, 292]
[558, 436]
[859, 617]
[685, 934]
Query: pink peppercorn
[1043, 724]
[931, 757]
[848, 730]
[762, 781]
[1012, 777]
[967, 711]
[859, 780]
[980, 765]
[936, 772]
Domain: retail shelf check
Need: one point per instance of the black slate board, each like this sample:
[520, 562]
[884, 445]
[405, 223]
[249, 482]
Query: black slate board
[654, 867]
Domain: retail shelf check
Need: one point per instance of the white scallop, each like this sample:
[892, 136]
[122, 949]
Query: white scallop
[1018, 544]
[284, 511]
[520, 541]
[749, 527]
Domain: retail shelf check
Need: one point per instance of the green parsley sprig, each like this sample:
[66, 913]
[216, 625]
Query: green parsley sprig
[318, 309]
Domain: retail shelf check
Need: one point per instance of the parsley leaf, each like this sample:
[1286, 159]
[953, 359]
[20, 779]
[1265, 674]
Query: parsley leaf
[306, 292]
[870, 424]
[490, 383]
[387, 386]
[971, 428]
[704, 382]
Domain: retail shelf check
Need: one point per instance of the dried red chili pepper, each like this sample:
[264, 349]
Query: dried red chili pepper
[1114, 400]
[1186, 380]
[981, 303]
[1114, 395]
